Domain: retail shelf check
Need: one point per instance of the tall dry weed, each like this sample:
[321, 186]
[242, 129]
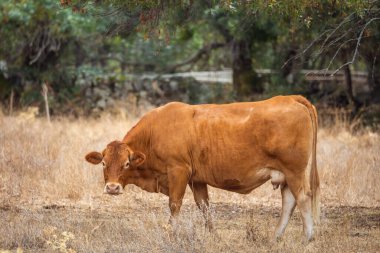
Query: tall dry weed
[52, 200]
[42, 162]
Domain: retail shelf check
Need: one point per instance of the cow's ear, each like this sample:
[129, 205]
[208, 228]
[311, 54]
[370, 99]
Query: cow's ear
[94, 157]
[137, 158]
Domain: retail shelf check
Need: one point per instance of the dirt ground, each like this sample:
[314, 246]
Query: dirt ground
[105, 226]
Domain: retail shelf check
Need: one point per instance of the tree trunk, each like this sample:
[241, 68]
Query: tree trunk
[244, 78]
[371, 53]
[79, 54]
[351, 98]
[374, 80]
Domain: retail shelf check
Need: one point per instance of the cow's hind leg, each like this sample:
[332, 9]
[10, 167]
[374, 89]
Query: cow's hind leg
[288, 205]
[298, 187]
[201, 199]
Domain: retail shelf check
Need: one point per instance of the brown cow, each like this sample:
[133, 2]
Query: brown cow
[235, 147]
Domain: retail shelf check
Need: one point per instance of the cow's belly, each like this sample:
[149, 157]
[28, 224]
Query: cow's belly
[245, 183]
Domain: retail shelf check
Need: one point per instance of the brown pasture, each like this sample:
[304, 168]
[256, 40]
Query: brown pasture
[51, 200]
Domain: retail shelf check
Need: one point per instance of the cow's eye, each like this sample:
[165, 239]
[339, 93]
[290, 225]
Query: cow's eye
[103, 164]
[126, 165]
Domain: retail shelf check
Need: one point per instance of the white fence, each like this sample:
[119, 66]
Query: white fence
[225, 76]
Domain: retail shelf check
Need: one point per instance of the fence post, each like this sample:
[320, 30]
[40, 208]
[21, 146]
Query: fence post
[45, 95]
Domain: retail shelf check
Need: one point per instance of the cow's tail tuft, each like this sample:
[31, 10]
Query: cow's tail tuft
[314, 177]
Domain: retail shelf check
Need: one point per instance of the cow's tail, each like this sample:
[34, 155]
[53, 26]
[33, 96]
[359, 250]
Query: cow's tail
[314, 177]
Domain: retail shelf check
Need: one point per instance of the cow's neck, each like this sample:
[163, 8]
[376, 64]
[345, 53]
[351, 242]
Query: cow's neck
[148, 181]
[147, 184]
[139, 138]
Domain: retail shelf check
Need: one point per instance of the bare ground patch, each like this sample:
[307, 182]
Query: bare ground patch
[97, 228]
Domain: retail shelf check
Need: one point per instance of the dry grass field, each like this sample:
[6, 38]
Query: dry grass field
[51, 200]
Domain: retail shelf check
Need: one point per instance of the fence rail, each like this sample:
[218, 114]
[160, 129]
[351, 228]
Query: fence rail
[225, 76]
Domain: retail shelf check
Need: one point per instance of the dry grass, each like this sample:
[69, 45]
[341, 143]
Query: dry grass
[51, 199]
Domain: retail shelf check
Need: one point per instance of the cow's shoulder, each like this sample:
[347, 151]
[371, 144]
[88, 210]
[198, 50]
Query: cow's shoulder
[174, 104]
[172, 108]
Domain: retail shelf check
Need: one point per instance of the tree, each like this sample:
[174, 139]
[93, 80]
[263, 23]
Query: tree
[239, 26]
[350, 35]
[35, 37]
[75, 43]
[235, 26]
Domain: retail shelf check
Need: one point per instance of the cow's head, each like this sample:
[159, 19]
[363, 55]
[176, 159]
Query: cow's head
[119, 161]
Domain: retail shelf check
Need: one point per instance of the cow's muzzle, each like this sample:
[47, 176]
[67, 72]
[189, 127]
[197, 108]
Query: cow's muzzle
[113, 188]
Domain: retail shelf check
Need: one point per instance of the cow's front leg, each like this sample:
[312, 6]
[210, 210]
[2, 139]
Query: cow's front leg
[178, 178]
[201, 199]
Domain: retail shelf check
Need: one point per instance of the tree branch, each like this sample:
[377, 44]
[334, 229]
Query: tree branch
[198, 55]
[346, 20]
[359, 39]
[304, 50]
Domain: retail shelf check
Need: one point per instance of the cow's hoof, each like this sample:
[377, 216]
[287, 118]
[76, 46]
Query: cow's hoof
[209, 227]
[308, 239]
[277, 238]
[167, 227]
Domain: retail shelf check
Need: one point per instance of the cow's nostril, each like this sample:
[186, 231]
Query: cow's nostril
[113, 188]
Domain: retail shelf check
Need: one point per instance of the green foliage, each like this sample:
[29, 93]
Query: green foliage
[43, 42]
[73, 44]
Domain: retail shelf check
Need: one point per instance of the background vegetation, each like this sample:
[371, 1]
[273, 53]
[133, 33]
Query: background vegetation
[77, 46]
